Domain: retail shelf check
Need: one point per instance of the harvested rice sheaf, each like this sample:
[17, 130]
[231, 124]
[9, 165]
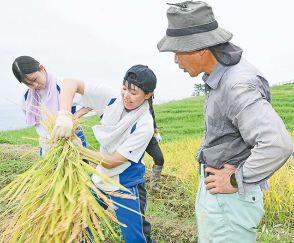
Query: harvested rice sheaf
[53, 202]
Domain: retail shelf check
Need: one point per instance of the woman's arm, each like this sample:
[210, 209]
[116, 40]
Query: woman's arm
[69, 88]
[64, 120]
[107, 161]
[81, 112]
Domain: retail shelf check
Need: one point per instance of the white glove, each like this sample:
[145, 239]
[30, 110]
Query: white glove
[158, 137]
[63, 125]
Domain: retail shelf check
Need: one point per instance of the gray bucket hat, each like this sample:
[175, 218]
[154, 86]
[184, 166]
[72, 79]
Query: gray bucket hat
[192, 27]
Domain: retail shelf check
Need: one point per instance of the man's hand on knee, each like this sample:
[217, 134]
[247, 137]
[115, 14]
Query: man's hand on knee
[219, 180]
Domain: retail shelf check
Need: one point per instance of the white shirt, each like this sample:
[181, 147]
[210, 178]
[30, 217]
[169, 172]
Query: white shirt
[41, 131]
[132, 144]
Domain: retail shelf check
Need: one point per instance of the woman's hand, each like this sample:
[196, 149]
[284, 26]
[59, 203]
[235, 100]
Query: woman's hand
[63, 125]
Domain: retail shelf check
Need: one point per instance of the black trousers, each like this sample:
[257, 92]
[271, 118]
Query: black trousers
[155, 152]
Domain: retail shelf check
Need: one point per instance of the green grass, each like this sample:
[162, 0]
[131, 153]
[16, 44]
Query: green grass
[15, 160]
[22, 136]
[175, 119]
[282, 101]
[180, 119]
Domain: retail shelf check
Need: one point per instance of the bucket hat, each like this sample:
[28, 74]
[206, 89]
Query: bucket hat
[192, 27]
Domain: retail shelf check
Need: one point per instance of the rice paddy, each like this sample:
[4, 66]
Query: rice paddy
[181, 126]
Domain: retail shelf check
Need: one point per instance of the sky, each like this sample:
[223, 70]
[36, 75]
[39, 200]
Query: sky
[97, 41]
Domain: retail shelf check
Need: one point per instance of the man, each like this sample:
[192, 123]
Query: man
[245, 140]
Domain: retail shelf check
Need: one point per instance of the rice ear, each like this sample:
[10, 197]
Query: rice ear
[52, 202]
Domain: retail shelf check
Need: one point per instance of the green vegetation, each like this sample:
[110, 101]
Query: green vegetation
[171, 211]
[15, 160]
[176, 119]
[283, 100]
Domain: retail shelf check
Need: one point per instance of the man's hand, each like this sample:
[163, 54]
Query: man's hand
[219, 182]
[63, 125]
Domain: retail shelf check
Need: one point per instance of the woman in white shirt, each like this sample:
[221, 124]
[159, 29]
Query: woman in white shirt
[41, 97]
[124, 133]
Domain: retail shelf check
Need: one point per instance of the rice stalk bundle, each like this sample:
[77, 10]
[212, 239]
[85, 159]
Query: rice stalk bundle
[53, 201]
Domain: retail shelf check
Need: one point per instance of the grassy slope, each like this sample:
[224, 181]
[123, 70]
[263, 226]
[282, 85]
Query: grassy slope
[176, 120]
[283, 102]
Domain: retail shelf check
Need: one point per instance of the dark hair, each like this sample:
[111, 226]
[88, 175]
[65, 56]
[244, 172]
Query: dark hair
[130, 86]
[24, 65]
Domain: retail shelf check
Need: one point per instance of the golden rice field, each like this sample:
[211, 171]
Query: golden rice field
[174, 205]
[278, 201]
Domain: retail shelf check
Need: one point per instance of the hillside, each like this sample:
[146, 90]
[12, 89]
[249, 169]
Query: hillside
[175, 119]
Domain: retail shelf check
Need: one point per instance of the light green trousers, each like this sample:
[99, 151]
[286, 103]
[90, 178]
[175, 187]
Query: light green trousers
[228, 218]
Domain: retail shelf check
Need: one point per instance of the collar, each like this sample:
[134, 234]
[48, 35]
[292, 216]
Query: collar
[213, 79]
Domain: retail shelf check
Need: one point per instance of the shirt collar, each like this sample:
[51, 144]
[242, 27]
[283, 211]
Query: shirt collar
[212, 80]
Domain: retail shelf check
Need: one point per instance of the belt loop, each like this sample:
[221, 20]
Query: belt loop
[202, 169]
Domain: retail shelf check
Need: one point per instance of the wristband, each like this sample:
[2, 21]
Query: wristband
[233, 181]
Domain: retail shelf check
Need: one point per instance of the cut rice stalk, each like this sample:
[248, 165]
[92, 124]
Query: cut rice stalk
[53, 201]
